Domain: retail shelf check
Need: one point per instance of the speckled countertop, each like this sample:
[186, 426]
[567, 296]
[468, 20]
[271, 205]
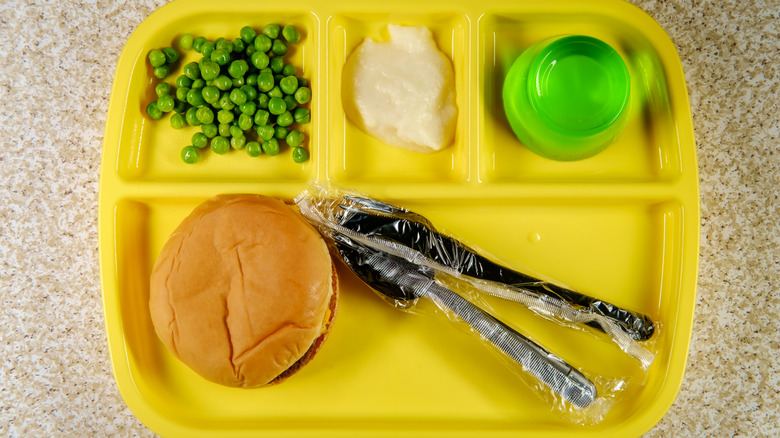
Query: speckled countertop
[55, 79]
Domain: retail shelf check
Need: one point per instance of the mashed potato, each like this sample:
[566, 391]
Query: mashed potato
[402, 91]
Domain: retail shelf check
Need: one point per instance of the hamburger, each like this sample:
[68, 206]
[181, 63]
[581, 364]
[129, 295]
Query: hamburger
[244, 292]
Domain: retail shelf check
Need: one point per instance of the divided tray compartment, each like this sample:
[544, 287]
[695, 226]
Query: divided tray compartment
[623, 226]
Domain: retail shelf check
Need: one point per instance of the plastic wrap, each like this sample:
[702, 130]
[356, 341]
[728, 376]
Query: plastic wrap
[402, 256]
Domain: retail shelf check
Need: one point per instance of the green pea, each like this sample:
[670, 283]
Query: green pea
[271, 31]
[291, 34]
[220, 145]
[224, 129]
[166, 103]
[261, 117]
[183, 82]
[253, 149]
[191, 71]
[197, 44]
[225, 103]
[276, 64]
[162, 89]
[171, 55]
[210, 130]
[279, 48]
[247, 34]
[205, 115]
[265, 82]
[207, 48]
[266, 132]
[271, 147]
[210, 94]
[186, 40]
[238, 143]
[277, 106]
[260, 59]
[289, 70]
[290, 102]
[199, 140]
[300, 155]
[278, 77]
[238, 82]
[276, 92]
[161, 72]
[248, 108]
[262, 101]
[301, 115]
[289, 84]
[237, 96]
[191, 116]
[295, 138]
[198, 84]
[181, 93]
[209, 70]
[177, 121]
[245, 122]
[153, 111]
[285, 119]
[302, 95]
[220, 57]
[238, 45]
[280, 132]
[223, 82]
[266, 70]
[195, 98]
[263, 43]
[190, 155]
[252, 80]
[224, 45]
[225, 116]
[156, 58]
[238, 68]
[250, 91]
[250, 50]
[235, 131]
[180, 106]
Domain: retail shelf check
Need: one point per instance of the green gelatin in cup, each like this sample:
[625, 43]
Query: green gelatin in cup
[567, 98]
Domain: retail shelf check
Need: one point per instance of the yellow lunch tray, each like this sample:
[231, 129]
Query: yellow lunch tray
[622, 226]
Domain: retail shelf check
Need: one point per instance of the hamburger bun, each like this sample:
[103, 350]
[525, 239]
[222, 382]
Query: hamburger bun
[244, 292]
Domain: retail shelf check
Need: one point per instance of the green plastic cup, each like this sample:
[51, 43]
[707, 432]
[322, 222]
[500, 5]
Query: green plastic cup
[566, 97]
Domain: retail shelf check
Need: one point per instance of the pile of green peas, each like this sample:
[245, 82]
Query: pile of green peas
[162, 60]
[240, 93]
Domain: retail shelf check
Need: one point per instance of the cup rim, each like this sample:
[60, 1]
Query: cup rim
[592, 48]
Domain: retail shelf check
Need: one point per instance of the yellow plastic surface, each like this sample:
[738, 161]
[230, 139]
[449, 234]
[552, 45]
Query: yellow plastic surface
[623, 226]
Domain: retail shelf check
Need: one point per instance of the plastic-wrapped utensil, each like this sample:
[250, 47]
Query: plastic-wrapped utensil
[412, 237]
[370, 217]
[400, 254]
[402, 280]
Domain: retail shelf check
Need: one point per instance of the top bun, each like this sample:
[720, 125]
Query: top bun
[243, 291]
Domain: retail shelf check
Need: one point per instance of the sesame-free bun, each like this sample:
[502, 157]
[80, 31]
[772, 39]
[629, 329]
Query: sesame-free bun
[244, 291]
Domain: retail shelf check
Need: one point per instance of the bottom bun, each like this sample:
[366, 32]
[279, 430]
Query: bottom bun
[244, 292]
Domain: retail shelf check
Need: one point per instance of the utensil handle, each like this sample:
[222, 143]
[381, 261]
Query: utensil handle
[551, 370]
